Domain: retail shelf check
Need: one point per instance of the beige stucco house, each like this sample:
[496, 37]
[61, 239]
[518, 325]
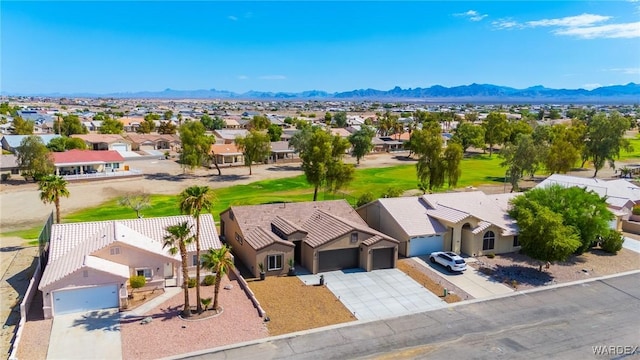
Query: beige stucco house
[472, 223]
[89, 264]
[320, 236]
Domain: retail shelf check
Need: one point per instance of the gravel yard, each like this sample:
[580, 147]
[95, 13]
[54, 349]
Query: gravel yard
[293, 306]
[520, 268]
[424, 276]
[168, 335]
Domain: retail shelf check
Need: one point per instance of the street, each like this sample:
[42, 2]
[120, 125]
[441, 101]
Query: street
[563, 322]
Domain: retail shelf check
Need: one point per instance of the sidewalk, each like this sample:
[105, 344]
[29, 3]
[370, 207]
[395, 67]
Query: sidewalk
[470, 281]
[631, 244]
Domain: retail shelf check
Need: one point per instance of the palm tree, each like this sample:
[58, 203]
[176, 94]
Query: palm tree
[219, 262]
[193, 200]
[52, 187]
[177, 241]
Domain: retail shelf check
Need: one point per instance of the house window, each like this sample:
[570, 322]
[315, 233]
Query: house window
[516, 242]
[144, 272]
[274, 262]
[239, 238]
[354, 237]
[488, 241]
[114, 250]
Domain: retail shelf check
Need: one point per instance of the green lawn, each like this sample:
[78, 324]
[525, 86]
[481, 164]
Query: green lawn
[635, 153]
[480, 169]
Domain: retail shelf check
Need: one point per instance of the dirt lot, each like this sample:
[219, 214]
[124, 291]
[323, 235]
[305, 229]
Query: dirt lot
[521, 272]
[420, 274]
[293, 306]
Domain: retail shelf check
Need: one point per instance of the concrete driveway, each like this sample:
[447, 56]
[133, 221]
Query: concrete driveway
[631, 244]
[470, 281]
[378, 294]
[90, 335]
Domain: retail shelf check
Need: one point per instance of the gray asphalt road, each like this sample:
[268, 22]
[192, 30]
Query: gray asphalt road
[559, 323]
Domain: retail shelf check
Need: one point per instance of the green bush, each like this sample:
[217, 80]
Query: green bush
[191, 282]
[491, 255]
[365, 199]
[137, 281]
[209, 280]
[392, 192]
[612, 242]
[5, 177]
[636, 210]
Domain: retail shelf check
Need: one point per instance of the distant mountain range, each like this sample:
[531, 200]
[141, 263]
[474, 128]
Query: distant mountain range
[629, 93]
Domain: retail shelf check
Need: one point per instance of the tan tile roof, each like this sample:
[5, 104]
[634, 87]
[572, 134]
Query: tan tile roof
[287, 227]
[260, 238]
[70, 244]
[225, 149]
[152, 138]
[101, 138]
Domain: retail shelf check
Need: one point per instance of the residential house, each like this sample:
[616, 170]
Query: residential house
[228, 136]
[90, 263]
[473, 223]
[73, 162]
[12, 142]
[105, 142]
[320, 236]
[227, 154]
[620, 194]
[281, 152]
[154, 141]
[9, 164]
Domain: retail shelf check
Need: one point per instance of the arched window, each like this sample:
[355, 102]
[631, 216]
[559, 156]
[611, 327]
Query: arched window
[488, 240]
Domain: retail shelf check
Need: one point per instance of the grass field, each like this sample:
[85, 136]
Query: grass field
[634, 153]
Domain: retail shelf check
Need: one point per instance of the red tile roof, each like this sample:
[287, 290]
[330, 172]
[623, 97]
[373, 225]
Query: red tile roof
[79, 156]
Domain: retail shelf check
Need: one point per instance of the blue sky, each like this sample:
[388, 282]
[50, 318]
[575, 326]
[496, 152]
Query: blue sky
[119, 46]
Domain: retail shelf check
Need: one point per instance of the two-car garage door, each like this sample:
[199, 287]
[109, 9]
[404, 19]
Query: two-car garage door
[85, 299]
[425, 245]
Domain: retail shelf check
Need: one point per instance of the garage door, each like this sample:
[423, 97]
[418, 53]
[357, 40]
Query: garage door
[382, 258]
[338, 259]
[85, 299]
[119, 147]
[425, 245]
[147, 147]
[613, 224]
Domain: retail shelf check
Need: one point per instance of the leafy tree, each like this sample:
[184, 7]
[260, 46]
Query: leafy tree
[301, 138]
[167, 115]
[147, 126]
[361, 143]
[196, 145]
[167, 127]
[518, 127]
[340, 119]
[471, 117]
[327, 118]
[520, 158]
[111, 126]
[51, 188]
[322, 161]
[137, 201]
[212, 123]
[561, 157]
[452, 160]
[554, 114]
[542, 235]
[177, 240]
[392, 192]
[365, 199]
[33, 158]
[469, 135]
[259, 123]
[275, 132]
[60, 144]
[605, 139]
[219, 262]
[151, 116]
[22, 126]
[427, 144]
[255, 146]
[193, 200]
[71, 125]
[496, 130]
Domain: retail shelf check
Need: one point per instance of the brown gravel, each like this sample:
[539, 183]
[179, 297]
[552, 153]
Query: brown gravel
[293, 306]
[432, 282]
[169, 335]
[524, 270]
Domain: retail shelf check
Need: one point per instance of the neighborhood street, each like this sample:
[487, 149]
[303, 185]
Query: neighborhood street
[560, 322]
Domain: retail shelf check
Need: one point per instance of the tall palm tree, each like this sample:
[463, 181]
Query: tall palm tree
[51, 188]
[177, 241]
[219, 262]
[193, 200]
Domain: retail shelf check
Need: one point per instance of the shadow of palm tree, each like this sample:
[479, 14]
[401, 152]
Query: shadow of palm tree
[521, 274]
[104, 320]
[164, 315]
[11, 248]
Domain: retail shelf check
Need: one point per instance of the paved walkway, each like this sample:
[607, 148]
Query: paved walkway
[169, 292]
[471, 281]
[631, 244]
[90, 335]
[378, 294]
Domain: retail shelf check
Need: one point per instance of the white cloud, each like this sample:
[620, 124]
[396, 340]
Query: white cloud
[472, 15]
[272, 77]
[591, 86]
[628, 71]
[232, 18]
[584, 26]
[619, 31]
[242, 77]
[570, 21]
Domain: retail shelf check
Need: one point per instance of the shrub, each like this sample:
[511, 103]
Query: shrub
[392, 192]
[137, 281]
[5, 177]
[365, 199]
[636, 210]
[612, 242]
[491, 255]
[191, 282]
[209, 280]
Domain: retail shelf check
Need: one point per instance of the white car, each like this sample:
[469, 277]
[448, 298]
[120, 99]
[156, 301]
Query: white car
[448, 259]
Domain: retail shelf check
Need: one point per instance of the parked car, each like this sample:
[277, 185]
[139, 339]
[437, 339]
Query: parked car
[450, 260]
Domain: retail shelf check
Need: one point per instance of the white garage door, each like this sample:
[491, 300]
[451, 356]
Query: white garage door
[119, 147]
[425, 245]
[85, 299]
